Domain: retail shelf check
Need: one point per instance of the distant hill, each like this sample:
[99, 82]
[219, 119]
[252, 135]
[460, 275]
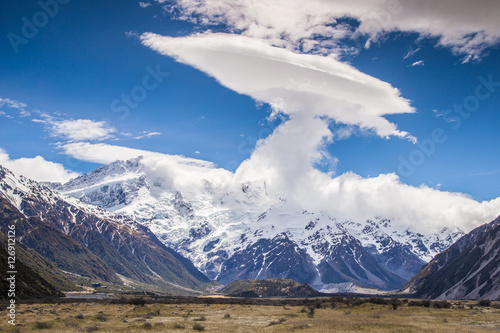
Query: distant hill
[268, 288]
[469, 269]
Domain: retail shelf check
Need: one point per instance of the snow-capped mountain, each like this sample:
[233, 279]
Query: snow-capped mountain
[124, 246]
[469, 269]
[244, 231]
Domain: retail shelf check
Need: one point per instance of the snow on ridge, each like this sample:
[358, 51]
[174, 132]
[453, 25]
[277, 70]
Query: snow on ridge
[219, 219]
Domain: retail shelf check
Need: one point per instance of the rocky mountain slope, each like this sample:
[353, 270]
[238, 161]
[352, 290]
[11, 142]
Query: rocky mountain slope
[244, 231]
[28, 284]
[125, 247]
[469, 269]
[66, 253]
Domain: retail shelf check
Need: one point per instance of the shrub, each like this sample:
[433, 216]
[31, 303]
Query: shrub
[91, 329]
[310, 314]
[179, 326]
[484, 302]
[200, 319]
[138, 301]
[101, 317]
[147, 326]
[79, 316]
[227, 315]
[395, 303]
[424, 302]
[39, 325]
[274, 322]
[198, 327]
[441, 304]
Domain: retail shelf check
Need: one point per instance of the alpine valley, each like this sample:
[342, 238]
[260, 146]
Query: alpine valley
[229, 230]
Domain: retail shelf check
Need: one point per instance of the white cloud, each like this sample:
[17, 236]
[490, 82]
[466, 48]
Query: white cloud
[37, 168]
[291, 83]
[418, 63]
[468, 28]
[105, 153]
[13, 104]
[146, 134]
[144, 4]
[184, 173]
[348, 196]
[81, 129]
[312, 90]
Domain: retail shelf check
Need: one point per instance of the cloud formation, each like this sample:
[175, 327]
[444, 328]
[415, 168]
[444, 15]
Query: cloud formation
[37, 168]
[81, 129]
[467, 28]
[348, 196]
[313, 91]
[291, 83]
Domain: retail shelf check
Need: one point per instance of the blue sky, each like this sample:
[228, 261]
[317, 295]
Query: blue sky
[90, 53]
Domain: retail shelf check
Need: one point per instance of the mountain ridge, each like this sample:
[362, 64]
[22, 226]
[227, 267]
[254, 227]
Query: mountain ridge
[128, 248]
[469, 269]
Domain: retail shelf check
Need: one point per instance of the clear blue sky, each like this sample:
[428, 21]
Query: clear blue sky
[88, 55]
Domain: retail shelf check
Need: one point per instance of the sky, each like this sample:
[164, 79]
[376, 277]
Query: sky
[396, 98]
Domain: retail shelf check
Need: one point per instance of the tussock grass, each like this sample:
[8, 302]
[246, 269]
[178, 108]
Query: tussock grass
[352, 315]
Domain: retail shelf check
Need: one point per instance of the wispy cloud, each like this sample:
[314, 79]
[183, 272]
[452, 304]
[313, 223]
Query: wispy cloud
[13, 104]
[411, 52]
[80, 129]
[480, 174]
[144, 4]
[146, 135]
[418, 63]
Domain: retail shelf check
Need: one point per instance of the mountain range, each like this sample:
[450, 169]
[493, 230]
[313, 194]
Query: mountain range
[243, 231]
[86, 241]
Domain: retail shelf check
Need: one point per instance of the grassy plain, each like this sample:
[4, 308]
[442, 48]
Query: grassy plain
[316, 317]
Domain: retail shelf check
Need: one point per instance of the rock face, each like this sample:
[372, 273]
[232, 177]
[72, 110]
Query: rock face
[243, 231]
[469, 269]
[124, 246]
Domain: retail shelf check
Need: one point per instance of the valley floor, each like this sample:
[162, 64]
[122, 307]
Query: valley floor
[155, 317]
